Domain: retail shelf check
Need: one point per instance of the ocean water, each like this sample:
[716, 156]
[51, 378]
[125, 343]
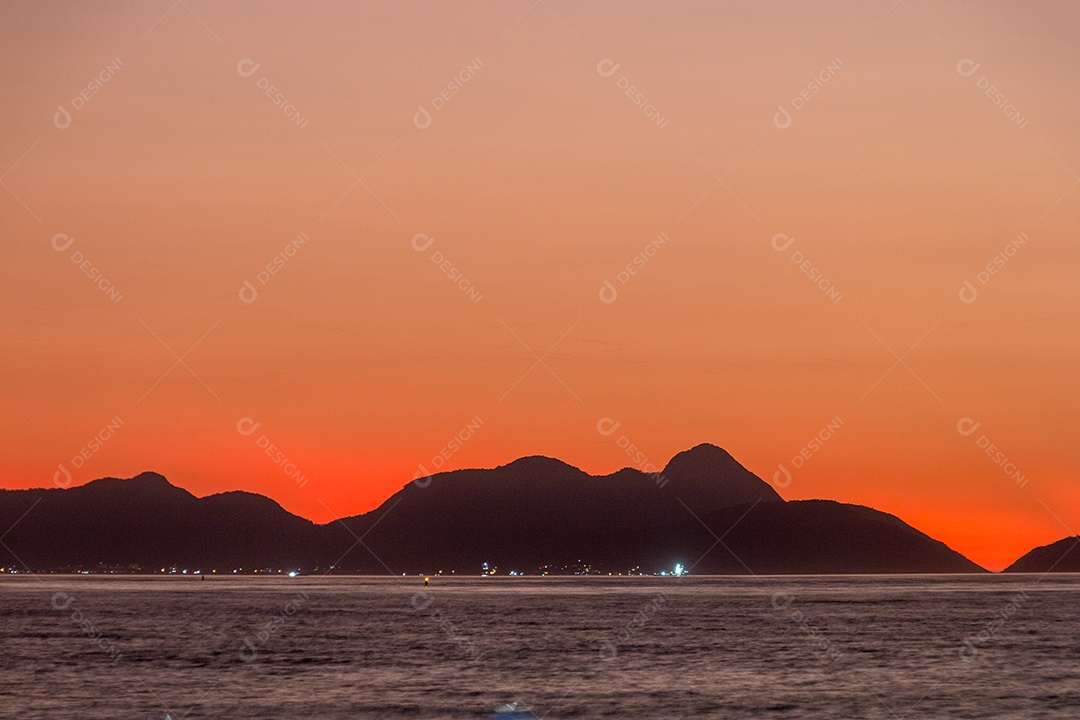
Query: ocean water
[692, 647]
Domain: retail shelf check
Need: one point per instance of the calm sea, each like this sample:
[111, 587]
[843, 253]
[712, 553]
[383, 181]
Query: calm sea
[692, 647]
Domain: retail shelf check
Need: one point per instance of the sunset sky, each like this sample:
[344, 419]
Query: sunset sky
[811, 192]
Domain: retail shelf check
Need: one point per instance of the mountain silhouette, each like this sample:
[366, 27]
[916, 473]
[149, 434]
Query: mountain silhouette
[539, 511]
[535, 514]
[148, 523]
[1062, 556]
[823, 536]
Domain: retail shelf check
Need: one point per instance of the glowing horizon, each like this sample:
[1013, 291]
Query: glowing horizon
[832, 240]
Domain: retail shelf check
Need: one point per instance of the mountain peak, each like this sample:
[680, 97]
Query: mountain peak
[150, 477]
[144, 485]
[242, 499]
[538, 463]
[697, 471]
[706, 452]
[703, 459]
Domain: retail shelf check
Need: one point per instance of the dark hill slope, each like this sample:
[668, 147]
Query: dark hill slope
[1062, 556]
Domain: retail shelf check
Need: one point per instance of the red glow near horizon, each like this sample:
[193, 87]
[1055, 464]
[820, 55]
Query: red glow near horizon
[697, 272]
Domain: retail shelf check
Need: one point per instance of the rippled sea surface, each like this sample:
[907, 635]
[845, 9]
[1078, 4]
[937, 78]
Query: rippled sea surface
[784, 647]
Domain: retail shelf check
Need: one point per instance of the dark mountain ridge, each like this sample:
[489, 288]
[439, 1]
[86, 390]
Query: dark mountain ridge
[147, 522]
[535, 514]
[1062, 556]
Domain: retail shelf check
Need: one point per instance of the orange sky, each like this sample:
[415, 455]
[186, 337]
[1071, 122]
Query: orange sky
[147, 139]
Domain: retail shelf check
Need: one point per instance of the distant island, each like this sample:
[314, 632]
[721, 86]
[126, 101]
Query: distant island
[704, 514]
